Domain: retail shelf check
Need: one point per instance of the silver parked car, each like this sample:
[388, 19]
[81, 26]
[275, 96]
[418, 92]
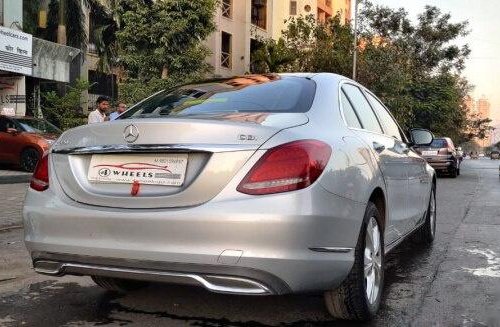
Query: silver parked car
[257, 185]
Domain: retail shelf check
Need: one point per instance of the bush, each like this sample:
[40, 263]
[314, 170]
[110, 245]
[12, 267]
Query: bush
[65, 111]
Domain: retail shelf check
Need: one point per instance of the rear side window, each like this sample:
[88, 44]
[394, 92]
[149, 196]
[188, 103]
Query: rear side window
[252, 93]
[349, 113]
[362, 107]
[391, 128]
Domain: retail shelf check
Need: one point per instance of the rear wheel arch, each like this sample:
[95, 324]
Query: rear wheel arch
[377, 197]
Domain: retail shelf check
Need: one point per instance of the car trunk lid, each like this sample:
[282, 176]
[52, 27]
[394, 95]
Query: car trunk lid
[213, 148]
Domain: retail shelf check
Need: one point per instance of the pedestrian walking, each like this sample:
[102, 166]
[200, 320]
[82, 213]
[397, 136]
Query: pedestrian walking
[119, 110]
[99, 114]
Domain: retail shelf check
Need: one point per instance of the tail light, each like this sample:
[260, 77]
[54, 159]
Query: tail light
[40, 178]
[288, 167]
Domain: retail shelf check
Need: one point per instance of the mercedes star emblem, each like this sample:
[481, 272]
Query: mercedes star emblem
[131, 133]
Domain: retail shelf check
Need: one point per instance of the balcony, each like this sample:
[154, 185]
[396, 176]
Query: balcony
[227, 6]
[325, 6]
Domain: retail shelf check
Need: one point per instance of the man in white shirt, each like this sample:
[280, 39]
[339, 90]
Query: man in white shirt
[99, 114]
[121, 108]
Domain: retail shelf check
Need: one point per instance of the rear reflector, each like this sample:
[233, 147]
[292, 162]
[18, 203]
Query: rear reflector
[288, 167]
[40, 178]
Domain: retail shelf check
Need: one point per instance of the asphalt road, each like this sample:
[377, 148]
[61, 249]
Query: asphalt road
[456, 282]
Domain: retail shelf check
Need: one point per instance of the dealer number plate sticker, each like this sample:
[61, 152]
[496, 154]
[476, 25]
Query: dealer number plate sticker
[154, 169]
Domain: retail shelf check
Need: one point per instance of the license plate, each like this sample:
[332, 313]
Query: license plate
[429, 153]
[154, 169]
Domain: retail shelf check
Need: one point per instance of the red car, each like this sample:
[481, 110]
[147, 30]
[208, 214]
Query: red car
[24, 139]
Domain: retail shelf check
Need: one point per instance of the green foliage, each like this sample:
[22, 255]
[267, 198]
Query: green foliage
[271, 56]
[162, 38]
[65, 111]
[30, 15]
[75, 24]
[133, 90]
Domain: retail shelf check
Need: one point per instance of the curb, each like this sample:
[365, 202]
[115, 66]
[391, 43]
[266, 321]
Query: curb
[15, 179]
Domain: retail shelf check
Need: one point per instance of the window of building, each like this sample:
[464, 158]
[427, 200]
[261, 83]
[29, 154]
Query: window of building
[293, 8]
[259, 13]
[225, 56]
[227, 8]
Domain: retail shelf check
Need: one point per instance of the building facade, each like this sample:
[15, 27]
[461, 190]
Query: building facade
[483, 107]
[242, 23]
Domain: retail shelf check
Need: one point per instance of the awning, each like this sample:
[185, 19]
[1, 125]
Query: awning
[52, 61]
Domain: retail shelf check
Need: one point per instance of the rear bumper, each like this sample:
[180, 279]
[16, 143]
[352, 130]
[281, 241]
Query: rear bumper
[442, 165]
[219, 279]
[291, 242]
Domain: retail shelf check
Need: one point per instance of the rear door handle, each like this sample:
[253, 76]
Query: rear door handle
[378, 147]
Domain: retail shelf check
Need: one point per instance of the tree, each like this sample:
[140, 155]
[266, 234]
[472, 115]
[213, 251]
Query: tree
[65, 111]
[163, 38]
[271, 56]
[105, 23]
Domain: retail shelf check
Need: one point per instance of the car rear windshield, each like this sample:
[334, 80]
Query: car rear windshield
[38, 126]
[439, 143]
[252, 93]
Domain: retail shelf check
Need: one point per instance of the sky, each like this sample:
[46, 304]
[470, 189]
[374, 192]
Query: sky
[483, 66]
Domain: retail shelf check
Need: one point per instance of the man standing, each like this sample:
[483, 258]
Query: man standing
[121, 108]
[99, 114]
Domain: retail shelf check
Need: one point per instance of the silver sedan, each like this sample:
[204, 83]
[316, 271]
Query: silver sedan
[253, 185]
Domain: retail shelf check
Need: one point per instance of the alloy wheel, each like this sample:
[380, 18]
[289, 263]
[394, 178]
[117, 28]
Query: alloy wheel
[432, 213]
[372, 261]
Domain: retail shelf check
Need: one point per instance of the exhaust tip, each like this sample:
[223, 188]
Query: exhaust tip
[52, 268]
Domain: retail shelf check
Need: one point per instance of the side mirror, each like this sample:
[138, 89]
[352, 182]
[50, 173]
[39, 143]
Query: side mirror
[421, 136]
[12, 131]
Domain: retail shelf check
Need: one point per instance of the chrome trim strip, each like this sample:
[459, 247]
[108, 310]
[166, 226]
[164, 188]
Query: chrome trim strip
[254, 287]
[155, 148]
[330, 249]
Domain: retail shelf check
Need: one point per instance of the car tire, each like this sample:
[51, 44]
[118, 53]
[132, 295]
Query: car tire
[29, 158]
[427, 232]
[353, 300]
[454, 172]
[117, 284]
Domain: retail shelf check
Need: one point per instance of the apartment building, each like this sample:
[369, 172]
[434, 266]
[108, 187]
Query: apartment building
[27, 62]
[483, 107]
[241, 23]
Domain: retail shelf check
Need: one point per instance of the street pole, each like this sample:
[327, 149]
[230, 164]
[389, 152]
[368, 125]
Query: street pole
[355, 43]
